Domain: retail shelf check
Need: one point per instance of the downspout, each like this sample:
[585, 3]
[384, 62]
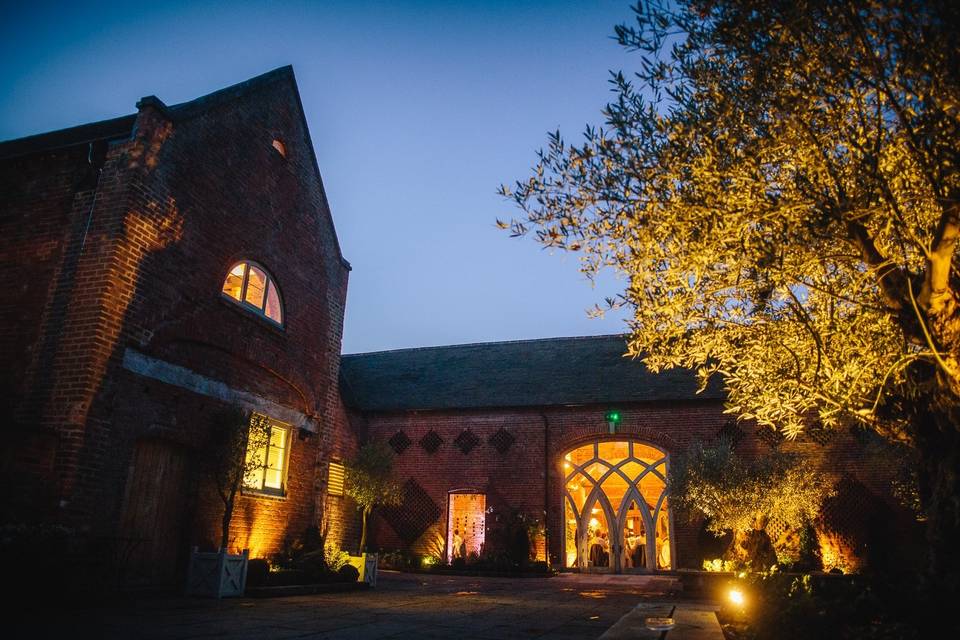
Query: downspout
[546, 488]
[96, 158]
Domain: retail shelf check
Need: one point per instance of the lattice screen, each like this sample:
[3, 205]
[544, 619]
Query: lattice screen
[399, 441]
[431, 441]
[466, 441]
[414, 515]
[502, 440]
[771, 437]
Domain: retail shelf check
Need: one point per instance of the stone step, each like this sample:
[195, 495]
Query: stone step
[690, 623]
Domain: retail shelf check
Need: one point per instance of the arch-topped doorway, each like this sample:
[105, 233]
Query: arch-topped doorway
[615, 507]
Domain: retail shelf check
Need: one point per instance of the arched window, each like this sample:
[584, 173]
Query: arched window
[616, 508]
[250, 286]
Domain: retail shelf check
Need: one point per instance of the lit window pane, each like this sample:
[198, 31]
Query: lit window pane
[254, 479]
[613, 452]
[255, 287]
[257, 456]
[234, 282]
[274, 479]
[269, 460]
[273, 304]
[278, 438]
[256, 283]
[275, 459]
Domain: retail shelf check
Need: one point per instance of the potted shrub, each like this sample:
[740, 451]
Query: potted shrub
[369, 481]
[226, 462]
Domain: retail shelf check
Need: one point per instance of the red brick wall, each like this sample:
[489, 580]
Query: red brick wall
[189, 195]
[517, 477]
[43, 207]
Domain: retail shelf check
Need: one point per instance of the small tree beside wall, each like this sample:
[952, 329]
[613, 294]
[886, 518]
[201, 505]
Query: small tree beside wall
[232, 452]
[369, 481]
[740, 495]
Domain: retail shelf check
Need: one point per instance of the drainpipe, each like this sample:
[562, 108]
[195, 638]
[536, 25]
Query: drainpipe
[96, 158]
[546, 488]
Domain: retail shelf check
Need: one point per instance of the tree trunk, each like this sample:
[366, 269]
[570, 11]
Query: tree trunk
[363, 530]
[225, 523]
[938, 442]
[752, 549]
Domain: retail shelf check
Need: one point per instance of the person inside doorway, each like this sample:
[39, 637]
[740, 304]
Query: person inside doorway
[635, 558]
[663, 543]
[458, 545]
[629, 544]
[599, 549]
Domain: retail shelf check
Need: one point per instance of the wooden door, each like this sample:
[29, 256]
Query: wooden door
[151, 525]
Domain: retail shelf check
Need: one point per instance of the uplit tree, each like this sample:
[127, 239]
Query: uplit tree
[779, 183]
[369, 481]
[233, 451]
[742, 495]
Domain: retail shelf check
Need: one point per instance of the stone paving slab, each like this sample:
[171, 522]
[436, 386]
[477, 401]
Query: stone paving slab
[690, 623]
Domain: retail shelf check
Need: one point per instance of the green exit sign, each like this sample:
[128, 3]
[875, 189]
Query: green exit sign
[613, 419]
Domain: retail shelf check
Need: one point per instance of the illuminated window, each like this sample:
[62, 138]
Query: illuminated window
[335, 479]
[268, 450]
[280, 147]
[250, 286]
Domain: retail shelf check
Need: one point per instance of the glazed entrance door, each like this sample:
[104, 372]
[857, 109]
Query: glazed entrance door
[615, 508]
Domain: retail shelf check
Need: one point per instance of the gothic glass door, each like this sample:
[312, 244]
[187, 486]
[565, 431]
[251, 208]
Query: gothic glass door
[616, 515]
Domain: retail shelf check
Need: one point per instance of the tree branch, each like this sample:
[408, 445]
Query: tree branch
[934, 294]
[889, 277]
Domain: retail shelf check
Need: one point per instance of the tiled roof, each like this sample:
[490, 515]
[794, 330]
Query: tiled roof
[553, 371]
[104, 130]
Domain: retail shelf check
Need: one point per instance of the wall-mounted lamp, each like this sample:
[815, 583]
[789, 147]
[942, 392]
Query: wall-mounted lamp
[304, 434]
[613, 419]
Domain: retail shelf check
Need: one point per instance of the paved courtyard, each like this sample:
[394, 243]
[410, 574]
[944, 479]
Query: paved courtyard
[402, 606]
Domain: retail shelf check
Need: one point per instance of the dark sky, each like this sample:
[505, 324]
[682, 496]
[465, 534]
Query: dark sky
[418, 111]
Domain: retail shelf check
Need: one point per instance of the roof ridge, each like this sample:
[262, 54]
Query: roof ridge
[229, 93]
[105, 129]
[482, 344]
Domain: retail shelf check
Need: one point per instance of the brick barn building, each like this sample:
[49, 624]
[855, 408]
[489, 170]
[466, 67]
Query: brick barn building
[180, 260]
[168, 264]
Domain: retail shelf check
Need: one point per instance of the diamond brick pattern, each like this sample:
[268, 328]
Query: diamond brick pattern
[819, 435]
[414, 515]
[466, 441]
[770, 437]
[400, 441]
[431, 441]
[502, 440]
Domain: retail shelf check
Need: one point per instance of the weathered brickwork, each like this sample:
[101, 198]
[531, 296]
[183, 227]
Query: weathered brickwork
[529, 475]
[132, 261]
[120, 351]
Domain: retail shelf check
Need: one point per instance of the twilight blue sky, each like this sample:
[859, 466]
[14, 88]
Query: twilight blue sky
[418, 111]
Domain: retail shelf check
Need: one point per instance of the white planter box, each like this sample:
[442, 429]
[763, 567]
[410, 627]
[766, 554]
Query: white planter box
[366, 564]
[217, 574]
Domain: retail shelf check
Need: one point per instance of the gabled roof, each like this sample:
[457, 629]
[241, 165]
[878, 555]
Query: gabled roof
[122, 127]
[118, 128]
[547, 372]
